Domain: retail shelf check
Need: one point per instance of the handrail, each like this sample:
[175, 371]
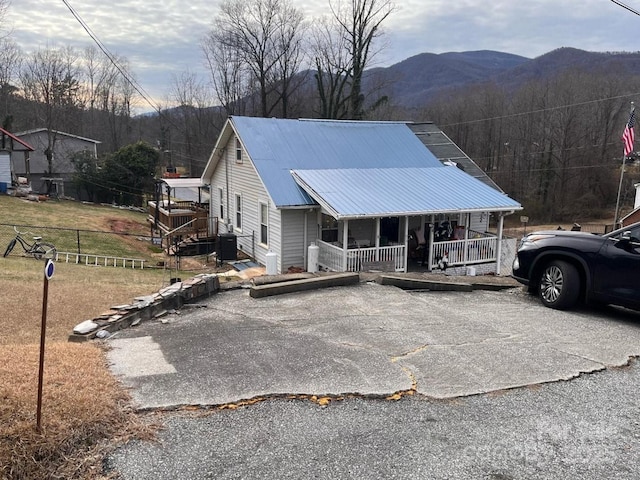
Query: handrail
[181, 226]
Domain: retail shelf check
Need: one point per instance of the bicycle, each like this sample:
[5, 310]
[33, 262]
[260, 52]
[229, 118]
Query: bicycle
[37, 249]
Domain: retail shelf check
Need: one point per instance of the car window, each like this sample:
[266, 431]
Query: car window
[633, 232]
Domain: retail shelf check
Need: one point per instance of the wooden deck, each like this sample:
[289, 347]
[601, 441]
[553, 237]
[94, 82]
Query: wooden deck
[182, 219]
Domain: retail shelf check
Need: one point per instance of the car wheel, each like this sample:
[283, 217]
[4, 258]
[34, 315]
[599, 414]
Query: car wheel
[559, 285]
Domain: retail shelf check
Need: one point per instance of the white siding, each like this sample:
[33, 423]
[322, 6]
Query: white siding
[5, 168]
[479, 222]
[293, 236]
[242, 179]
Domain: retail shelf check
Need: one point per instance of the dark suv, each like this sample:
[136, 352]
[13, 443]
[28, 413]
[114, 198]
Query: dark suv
[563, 266]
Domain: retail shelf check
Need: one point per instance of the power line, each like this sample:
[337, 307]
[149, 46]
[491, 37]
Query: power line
[111, 58]
[541, 110]
[626, 7]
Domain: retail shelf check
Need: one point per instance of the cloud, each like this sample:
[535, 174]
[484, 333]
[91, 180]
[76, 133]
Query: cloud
[161, 38]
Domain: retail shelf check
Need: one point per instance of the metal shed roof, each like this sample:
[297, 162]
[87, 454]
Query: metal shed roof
[374, 192]
[444, 149]
[277, 146]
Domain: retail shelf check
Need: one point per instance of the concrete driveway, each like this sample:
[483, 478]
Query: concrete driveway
[368, 340]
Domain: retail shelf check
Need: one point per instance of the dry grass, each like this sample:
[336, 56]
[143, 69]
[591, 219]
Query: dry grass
[85, 411]
[83, 408]
[76, 293]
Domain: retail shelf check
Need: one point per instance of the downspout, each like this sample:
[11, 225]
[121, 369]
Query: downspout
[499, 246]
[226, 175]
[305, 239]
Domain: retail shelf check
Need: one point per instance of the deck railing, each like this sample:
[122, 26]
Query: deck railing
[178, 214]
[389, 258]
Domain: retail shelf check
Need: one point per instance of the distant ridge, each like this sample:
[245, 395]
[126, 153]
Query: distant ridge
[412, 82]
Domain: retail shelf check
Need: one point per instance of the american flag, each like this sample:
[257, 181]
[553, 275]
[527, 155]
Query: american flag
[628, 135]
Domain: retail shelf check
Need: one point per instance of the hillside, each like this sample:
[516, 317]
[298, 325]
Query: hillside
[417, 79]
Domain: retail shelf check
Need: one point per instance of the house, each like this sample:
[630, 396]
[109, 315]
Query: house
[369, 195]
[11, 145]
[634, 215]
[36, 167]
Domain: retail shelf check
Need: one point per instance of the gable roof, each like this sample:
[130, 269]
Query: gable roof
[4, 134]
[354, 168]
[57, 132]
[277, 146]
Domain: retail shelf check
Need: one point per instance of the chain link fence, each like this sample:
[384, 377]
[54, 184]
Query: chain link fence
[81, 242]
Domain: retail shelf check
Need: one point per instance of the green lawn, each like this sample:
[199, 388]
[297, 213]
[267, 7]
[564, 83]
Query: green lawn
[78, 228]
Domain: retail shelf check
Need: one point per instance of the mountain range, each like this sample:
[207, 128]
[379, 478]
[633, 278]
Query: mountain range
[415, 80]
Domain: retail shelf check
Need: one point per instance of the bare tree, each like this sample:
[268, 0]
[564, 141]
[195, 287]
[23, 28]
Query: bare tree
[290, 29]
[195, 121]
[227, 70]
[51, 81]
[333, 67]
[10, 59]
[266, 36]
[360, 24]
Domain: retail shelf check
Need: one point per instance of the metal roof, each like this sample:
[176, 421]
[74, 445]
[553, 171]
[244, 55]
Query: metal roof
[445, 150]
[183, 182]
[374, 192]
[277, 146]
[4, 134]
[189, 189]
[57, 132]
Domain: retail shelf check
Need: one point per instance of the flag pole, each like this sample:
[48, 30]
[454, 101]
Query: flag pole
[615, 218]
[624, 162]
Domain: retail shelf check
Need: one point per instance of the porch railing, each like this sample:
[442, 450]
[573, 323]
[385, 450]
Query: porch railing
[466, 252]
[389, 258]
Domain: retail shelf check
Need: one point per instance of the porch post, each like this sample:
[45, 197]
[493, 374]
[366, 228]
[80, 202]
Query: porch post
[499, 246]
[378, 239]
[405, 257]
[466, 238]
[345, 243]
[431, 225]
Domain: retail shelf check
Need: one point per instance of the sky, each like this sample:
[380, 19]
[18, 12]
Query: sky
[161, 38]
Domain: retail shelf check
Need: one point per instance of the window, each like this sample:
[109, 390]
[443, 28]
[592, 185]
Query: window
[329, 229]
[221, 192]
[238, 151]
[264, 224]
[238, 212]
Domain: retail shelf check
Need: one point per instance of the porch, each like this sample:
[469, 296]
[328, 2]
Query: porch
[404, 244]
[471, 251]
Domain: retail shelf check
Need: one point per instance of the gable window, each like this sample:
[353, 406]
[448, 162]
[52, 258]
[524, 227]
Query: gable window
[238, 151]
[238, 224]
[264, 224]
[221, 193]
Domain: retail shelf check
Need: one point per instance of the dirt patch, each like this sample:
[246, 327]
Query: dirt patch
[124, 225]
